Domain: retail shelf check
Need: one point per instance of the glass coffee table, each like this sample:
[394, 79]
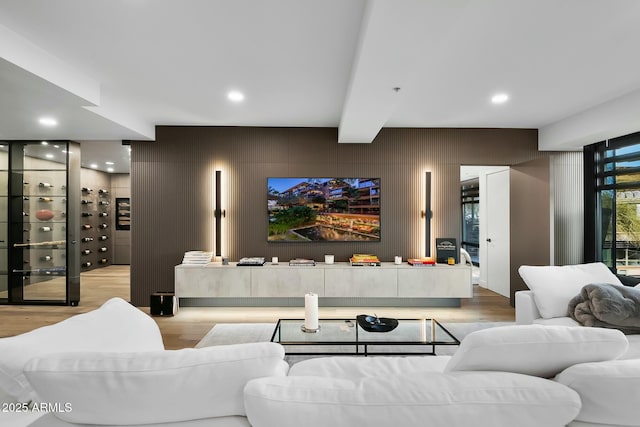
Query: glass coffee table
[346, 336]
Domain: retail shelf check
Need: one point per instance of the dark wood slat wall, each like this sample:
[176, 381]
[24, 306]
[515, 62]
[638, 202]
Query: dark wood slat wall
[172, 183]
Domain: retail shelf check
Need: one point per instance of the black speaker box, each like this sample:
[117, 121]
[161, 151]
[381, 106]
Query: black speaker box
[163, 304]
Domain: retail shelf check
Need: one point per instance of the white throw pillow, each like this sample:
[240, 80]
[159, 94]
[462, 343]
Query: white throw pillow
[537, 350]
[153, 387]
[115, 326]
[479, 399]
[610, 391]
[554, 286]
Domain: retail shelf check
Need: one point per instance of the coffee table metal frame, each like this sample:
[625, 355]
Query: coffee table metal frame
[434, 334]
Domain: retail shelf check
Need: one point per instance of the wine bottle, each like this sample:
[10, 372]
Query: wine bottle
[87, 214]
[103, 226]
[87, 264]
[103, 191]
[86, 252]
[25, 214]
[25, 198]
[86, 239]
[86, 190]
[45, 185]
[103, 203]
[103, 249]
[45, 228]
[86, 226]
[86, 202]
[103, 214]
[103, 261]
[103, 237]
[46, 258]
[45, 199]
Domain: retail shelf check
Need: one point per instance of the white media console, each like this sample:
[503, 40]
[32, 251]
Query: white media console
[336, 284]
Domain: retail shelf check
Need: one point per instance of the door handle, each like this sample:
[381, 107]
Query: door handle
[489, 240]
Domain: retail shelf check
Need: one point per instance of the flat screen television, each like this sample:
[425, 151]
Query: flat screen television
[323, 209]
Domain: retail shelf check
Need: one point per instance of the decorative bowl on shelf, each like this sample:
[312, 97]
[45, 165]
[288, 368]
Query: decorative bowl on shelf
[376, 324]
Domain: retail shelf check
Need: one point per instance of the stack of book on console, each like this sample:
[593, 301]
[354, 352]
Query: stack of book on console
[302, 262]
[360, 260]
[197, 257]
[251, 261]
[422, 262]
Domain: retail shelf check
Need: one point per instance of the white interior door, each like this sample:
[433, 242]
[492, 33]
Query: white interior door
[497, 235]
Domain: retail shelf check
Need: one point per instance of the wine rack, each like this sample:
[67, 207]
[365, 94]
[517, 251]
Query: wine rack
[39, 248]
[95, 206]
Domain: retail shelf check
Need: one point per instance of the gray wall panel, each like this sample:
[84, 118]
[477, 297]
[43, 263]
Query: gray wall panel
[567, 188]
[172, 188]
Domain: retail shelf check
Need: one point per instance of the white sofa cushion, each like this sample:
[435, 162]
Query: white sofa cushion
[538, 350]
[479, 399]
[554, 286]
[115, 326]
[610, 391]
[153, 387]
[353, 368]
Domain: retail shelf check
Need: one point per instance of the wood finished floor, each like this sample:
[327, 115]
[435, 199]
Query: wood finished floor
[192, 323]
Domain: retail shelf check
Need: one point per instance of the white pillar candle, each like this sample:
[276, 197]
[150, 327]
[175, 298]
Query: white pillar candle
[311, 311]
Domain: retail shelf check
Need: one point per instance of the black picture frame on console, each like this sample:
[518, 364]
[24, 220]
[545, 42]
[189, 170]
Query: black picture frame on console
[323, 209]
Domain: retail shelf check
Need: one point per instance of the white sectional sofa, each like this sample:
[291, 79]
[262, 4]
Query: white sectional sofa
[609, 390]
[498, 377]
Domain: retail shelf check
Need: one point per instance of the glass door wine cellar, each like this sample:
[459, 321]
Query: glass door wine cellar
[39, 222]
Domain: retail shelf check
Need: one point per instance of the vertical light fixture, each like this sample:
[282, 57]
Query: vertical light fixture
[427, 214]
[218, 213]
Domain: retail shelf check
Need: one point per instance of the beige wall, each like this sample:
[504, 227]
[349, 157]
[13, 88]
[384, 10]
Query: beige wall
[172, 188]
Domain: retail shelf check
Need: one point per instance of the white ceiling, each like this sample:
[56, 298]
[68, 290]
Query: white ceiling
[110, 70]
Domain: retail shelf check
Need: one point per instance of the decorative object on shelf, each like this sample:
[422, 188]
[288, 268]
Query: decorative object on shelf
[251, 261]
[302, 262]
[329, 259]
[196, 257]
[421, 262]
[274, 260]
[446, 247]
[360, 260]
[225, 260]
[376, 324]
[311, 319]
[44, 214]
[397, 260]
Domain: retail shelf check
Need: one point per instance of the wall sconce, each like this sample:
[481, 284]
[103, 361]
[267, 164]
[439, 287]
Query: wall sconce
[219, 213]
[427, 214]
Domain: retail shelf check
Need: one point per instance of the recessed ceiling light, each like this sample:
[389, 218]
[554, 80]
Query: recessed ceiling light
[56, 146]
[108, 163]
[49, 156]
[499, 98]
[235, 96]
[109, 169]
[93, 166]
[44, 143]
[47, 121]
